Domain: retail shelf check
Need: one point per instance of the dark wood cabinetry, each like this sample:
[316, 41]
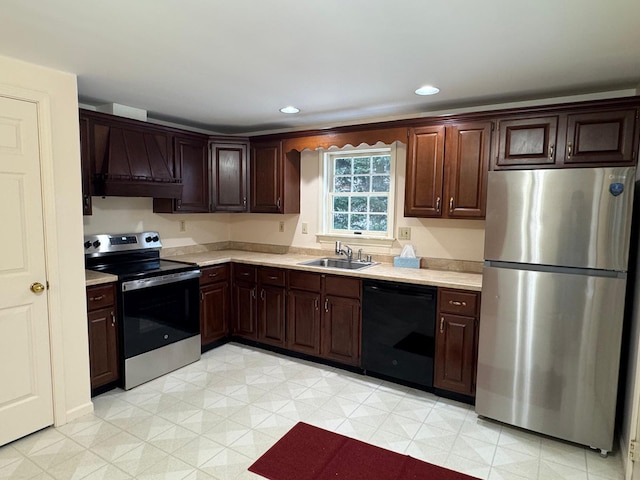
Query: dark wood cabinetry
[456, 341]
[245, 300]
[85, 167]
[271, 306]
[275, 178]
[103, 335]
[447, 170]
[569, 138]
[191, 166]
[324, 316]
[229, 175]
[214, 303]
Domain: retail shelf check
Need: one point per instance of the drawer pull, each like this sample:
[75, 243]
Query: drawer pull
[441, 324]
[245, 274]
[213, 275]
[96, 299]
[457, 303]
[272, 278]
[113, 319]
[326, 304]
[262, 294]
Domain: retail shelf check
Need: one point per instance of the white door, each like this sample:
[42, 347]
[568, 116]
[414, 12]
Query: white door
[25, 364]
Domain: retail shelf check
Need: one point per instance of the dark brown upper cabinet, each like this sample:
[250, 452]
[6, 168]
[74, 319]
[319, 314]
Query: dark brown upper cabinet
[447, 170]
[229, 175]
[586, 137]
[85, 167]
[275, 178]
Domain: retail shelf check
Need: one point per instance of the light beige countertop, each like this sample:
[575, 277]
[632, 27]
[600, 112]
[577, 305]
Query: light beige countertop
[98, 278]
[382, 271]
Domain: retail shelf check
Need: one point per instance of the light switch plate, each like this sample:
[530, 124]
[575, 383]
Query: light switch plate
[305, 227]
[281, 227]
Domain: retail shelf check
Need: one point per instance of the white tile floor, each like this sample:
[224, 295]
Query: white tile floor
[212, 419]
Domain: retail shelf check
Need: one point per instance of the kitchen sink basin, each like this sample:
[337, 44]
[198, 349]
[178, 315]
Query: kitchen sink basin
[338, 263]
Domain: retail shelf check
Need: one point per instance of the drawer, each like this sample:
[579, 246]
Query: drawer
[305, 281]
[458, 302]
[217, 273]
[244, 272]
[342, 286]
[271, 276]
[101, 296]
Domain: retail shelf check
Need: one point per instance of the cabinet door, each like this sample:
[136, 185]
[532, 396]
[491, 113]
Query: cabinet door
[103, 347]
[245, 310]
[214, 311]
[425, 170]
[85, 166]
[271, 316]
[303, 322]
[527, 142]
[341, 330]
[191, 160]
[266, 178]
[455, 354]
[601, 137]
[467, 151]
[229, 177]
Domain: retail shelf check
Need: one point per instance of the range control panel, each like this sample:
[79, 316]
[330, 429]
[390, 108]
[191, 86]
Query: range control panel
[110, 243]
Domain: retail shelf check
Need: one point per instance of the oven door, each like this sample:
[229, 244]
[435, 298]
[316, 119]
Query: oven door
[159, 311]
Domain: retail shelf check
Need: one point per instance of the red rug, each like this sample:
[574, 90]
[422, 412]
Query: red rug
[311, 453]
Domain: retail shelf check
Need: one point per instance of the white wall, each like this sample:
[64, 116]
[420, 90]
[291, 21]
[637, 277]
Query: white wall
[135, 214]
[68, 317]
[435, 238]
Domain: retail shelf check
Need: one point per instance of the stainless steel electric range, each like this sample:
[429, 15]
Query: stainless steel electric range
[158, 304]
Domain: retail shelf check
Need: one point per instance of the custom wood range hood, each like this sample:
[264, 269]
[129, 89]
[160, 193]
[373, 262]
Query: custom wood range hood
[131, 158]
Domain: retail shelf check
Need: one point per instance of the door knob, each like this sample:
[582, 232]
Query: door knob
[37, 287]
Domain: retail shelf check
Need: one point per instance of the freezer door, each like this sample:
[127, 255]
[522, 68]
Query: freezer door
[549, 351]
[571, 217]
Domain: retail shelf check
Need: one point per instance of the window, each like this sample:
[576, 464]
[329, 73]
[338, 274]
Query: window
[359, 187]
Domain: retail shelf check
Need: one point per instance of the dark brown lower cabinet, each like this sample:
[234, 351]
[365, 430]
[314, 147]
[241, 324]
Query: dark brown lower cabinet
[103, 335]
[303, 321]
[341, 330]
[214, 303]
[271, 306]
[245, 300]
[457, 341]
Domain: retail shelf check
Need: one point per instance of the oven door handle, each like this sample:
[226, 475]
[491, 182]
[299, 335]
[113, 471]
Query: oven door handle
[159, 280]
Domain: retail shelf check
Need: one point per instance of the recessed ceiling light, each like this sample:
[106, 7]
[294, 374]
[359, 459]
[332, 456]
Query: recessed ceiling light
[289, 109]
[427, 90]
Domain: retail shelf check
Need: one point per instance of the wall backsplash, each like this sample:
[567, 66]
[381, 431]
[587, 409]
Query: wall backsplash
[135, 214]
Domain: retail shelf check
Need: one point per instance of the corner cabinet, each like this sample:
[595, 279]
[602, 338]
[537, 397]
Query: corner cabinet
[275, 178]
[569, 138]
[447, 170]
[103, 335]
[457, 341]
[229, 175]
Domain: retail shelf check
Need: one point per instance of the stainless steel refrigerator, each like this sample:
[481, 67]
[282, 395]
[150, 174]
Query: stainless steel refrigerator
[553, 292]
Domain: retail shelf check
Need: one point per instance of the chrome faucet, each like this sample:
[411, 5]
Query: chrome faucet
[347, 252]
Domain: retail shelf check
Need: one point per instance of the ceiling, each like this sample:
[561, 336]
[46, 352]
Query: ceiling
[229, 65]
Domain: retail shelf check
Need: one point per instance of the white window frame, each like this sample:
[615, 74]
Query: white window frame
[362, 238]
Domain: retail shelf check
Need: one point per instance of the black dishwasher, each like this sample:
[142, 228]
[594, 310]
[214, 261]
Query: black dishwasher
[398, 331]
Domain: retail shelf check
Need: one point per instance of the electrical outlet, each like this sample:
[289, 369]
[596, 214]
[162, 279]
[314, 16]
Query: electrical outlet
[183, 226]
[305, 227]
[281, 227]
[404, 233]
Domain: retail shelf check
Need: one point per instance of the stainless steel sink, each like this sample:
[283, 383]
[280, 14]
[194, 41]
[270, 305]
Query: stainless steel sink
[338, 263]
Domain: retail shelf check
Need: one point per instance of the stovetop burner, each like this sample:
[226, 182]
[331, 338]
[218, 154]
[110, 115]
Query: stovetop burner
[129, 256]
